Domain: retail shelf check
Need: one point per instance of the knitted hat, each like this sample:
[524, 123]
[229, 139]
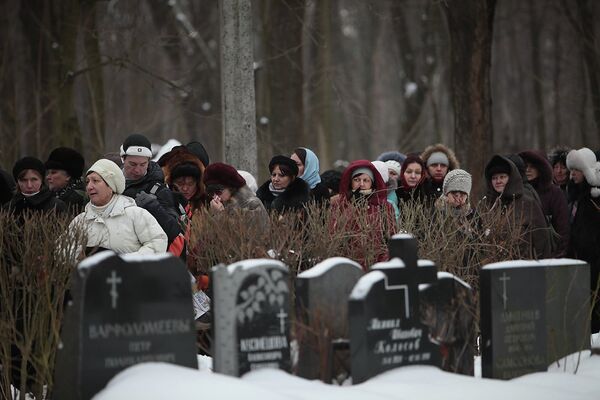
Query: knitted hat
[585, 160]
[68, 160]
[250, 180]
[394, 166]
[457, 180]
[199, 151]
[438, 157]
[136, 145]
[364, 170]
[224, 175]
[392, 155]
[382, 169]
[111, 173]
[28, 163]
[285, 161]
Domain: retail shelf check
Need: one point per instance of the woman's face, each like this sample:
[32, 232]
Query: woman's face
[577, 176]
[186, 185]
[362, 182]
[499, 182]
[57, 179]
[30, 182]
[298, 163]
[531, 172]
[560, 173]
[279, 180]
[412, 174]
[98, 191]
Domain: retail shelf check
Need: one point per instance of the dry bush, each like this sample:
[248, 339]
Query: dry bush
[35, 270]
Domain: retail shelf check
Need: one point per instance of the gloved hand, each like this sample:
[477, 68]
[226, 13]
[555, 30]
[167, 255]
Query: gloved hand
[146, 200]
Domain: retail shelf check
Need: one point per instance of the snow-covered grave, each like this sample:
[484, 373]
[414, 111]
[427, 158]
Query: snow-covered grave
[532, 313]
[125, 310]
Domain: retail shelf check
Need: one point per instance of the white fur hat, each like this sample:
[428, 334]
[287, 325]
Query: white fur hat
[382, 168]
[111, 173]
[250, 180]
[584, 160]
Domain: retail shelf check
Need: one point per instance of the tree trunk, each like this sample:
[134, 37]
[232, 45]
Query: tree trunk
[470, 25]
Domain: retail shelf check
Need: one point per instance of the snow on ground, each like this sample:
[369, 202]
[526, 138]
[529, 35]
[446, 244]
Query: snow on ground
[165, 381]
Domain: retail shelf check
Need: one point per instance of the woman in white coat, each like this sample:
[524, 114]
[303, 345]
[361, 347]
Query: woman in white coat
[113, 221]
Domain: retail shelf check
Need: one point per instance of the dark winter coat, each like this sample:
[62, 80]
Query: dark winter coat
[585, 235]
[7, 187]
[293, 198]
[320, 194]
[525, 209]
[74, 196]
[553, 201]
[165, 210]
[43, 201]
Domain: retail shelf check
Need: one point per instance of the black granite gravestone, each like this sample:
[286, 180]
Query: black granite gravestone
[251, 316]
[532, 314]
[384, 334]
[125, 310]
[448, 309]
[322, 318]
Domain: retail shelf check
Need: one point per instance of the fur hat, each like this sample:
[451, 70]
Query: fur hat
[558, 155]
[111, 173]
[185, 169]
[585, 160]
[28, 163]
[67, 159]
[224, 175]
[286, 161]
[394, 166]
[136, 145]
[331, 179]
[382, 169]
[457, 180]
[250, 180]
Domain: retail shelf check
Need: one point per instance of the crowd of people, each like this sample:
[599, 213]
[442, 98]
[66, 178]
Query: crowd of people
[130, 204]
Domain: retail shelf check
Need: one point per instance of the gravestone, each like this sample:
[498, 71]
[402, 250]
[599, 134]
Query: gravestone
[323, 314]
[251, 306]
[532, 314]
[448, 309]
[125, 310]
[385, 333]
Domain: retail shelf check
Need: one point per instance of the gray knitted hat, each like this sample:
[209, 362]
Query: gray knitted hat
[457, 180]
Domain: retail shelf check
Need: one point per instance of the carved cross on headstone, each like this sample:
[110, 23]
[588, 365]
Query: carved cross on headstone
[282, 316]
[404, 246]
[114, 280]
[504, 279]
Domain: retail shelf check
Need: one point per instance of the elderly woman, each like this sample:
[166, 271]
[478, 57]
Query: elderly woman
[32, 194]
[308, 170]
[113, 221]
[64, 169]
[284, 191]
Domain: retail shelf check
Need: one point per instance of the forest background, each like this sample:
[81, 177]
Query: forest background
[346, 78]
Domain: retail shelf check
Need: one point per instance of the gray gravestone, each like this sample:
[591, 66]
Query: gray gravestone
[251, 305]
[532, 314]
[448, 309]
[384, 333]
[125, 310]
[322, 314]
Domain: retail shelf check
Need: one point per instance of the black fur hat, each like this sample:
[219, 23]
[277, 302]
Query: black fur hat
[67, 159]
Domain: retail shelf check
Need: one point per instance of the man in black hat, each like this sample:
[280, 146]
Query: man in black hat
[144, 182]
[64, 169]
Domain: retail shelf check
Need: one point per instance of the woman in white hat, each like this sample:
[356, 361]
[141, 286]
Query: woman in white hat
[113, 221]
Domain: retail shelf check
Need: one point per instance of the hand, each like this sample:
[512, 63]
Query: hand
[146, 200]
[216, 205]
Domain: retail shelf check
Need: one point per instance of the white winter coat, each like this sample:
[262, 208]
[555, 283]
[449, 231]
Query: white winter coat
[126, 228]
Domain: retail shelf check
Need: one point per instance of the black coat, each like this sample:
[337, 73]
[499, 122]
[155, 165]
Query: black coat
[166, 210]
[74, 196]
[43, 201]
[320, 194]
[293, 198]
